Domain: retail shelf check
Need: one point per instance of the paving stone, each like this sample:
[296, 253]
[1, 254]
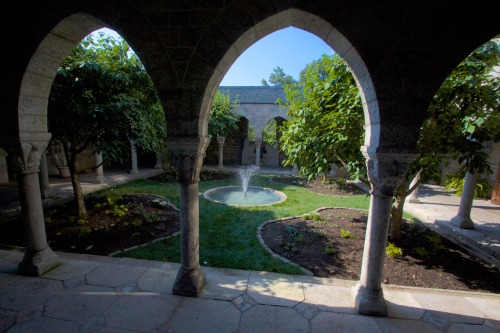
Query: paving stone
[391, 325]
[31, 314]
[309, 311]
[44, 324]
[6, 279]
[339, 322]
[272, 319]
[204, 315]
[157, 280]
[75, 282]
[80, 303]
[243, 302]
[468, 328]
[325, 281]
[109, 275]
[275, 289]
[28, 293]
[403, 305]
[91, 324]
[71, 269]
[435, 320]
[328, 298]
[454, 309]
[7, 319]
[141, 311]
[224, 284]
[112, 330]
[489, 306]
[10, 264]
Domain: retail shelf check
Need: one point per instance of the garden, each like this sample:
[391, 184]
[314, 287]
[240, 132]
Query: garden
[327, 242]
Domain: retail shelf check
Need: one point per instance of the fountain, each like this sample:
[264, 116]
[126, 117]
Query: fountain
[245, 195]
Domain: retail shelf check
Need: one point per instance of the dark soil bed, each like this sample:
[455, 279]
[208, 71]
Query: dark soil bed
[113, 223]
[322, 186]
[330, 244]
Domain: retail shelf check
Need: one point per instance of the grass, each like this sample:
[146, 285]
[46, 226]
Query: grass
[228, 234]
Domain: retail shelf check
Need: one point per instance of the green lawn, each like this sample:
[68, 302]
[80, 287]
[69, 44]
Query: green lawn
[228, 234]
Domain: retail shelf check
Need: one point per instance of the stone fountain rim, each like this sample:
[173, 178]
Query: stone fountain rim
[280, 194]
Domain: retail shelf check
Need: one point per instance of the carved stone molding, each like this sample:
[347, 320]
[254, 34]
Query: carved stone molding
[386, 171]
[187, 157]
[27, 151]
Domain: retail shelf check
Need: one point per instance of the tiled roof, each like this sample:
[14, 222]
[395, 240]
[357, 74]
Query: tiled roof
[255, 94]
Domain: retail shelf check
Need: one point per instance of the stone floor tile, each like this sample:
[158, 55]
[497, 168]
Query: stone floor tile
[80, 303]
[157, 280]
[339, 322]
[275, 289]
[110, 275]
[141, 311]
[224, 284]
[454, 309]
[489, 306]
[326, 298]
[309, 311]
[495, 324]
[112, 330]
[435, 320]
[92, 324]
[30, 314]
[402, 305]
[75, 282]
[6, 279]
[28, 293]
[272, 319]
[469, 328]
[391, 325]
[204, 315]
[243, 302]
[70, 269]
[10, 263]
[7, 319]
[324, 281]
[44, 324]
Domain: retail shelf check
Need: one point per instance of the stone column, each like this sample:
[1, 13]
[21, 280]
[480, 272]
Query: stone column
[385, 172]
[4, 171]
[413, 197]
[295, 169]
[220, 141]
[187, 157]
[159, 161]
[133, 157]
[463, 220]
[44, 177]
[38, 257]
[258, 143]
[99, 171]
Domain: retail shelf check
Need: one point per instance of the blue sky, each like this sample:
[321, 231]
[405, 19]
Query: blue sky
[291, 49]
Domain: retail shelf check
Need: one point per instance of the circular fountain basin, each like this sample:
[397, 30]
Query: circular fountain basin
[255, 196]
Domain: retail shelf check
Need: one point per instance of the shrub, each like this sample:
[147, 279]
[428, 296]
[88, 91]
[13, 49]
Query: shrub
[455, 181]
[291, 231]
[393, 251]
[329, 249]
[311, 216]
[346, 234]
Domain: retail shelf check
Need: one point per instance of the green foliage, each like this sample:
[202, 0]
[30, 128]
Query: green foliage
[311, 216]
[278, 78]
[222, 120]
[320, 234]
[455, 182]
[327, 121]
[112, 206]
[421, 252]
[329, 249]
[291, 231]
[393, 251]
[299, 239]
[346, 234]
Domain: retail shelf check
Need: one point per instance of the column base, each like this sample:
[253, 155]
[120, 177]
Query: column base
[38, 263]
[369, 302]
[135, 172]
[189, 282]
[462, 222]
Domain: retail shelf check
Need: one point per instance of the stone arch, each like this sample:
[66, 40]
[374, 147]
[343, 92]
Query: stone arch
[331, 36]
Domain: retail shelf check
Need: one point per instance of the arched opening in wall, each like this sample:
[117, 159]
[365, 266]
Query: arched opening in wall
[460, 134]
[100, 106]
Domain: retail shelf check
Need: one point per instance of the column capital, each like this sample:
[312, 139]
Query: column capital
[386, 170]
[187, 157]
[27, 151]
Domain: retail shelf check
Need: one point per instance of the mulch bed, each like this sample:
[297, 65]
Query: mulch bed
[322, 186]
[146, 217]
[331, 245]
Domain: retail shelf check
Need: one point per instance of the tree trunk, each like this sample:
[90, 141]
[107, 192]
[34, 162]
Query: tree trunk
[77, 188]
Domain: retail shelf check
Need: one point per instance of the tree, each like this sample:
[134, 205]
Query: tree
[327, 122]
[463, 116]
[278, 78]
[103, 96]
[222, 119]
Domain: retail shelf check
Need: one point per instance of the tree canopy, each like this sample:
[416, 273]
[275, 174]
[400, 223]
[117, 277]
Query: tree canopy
[102, 95]
[222, 119]
[278, 78]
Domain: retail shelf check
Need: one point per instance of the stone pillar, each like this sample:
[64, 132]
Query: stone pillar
[99, 170]
[413, 197]
[463, 220]
[4, 170]
[159, 161]
[295, 169]
[258, 143]
[220, 141]
[385, 172]
[133, 157]
[38, 257]
[333, 171]
[187, 158]
[44, 176]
